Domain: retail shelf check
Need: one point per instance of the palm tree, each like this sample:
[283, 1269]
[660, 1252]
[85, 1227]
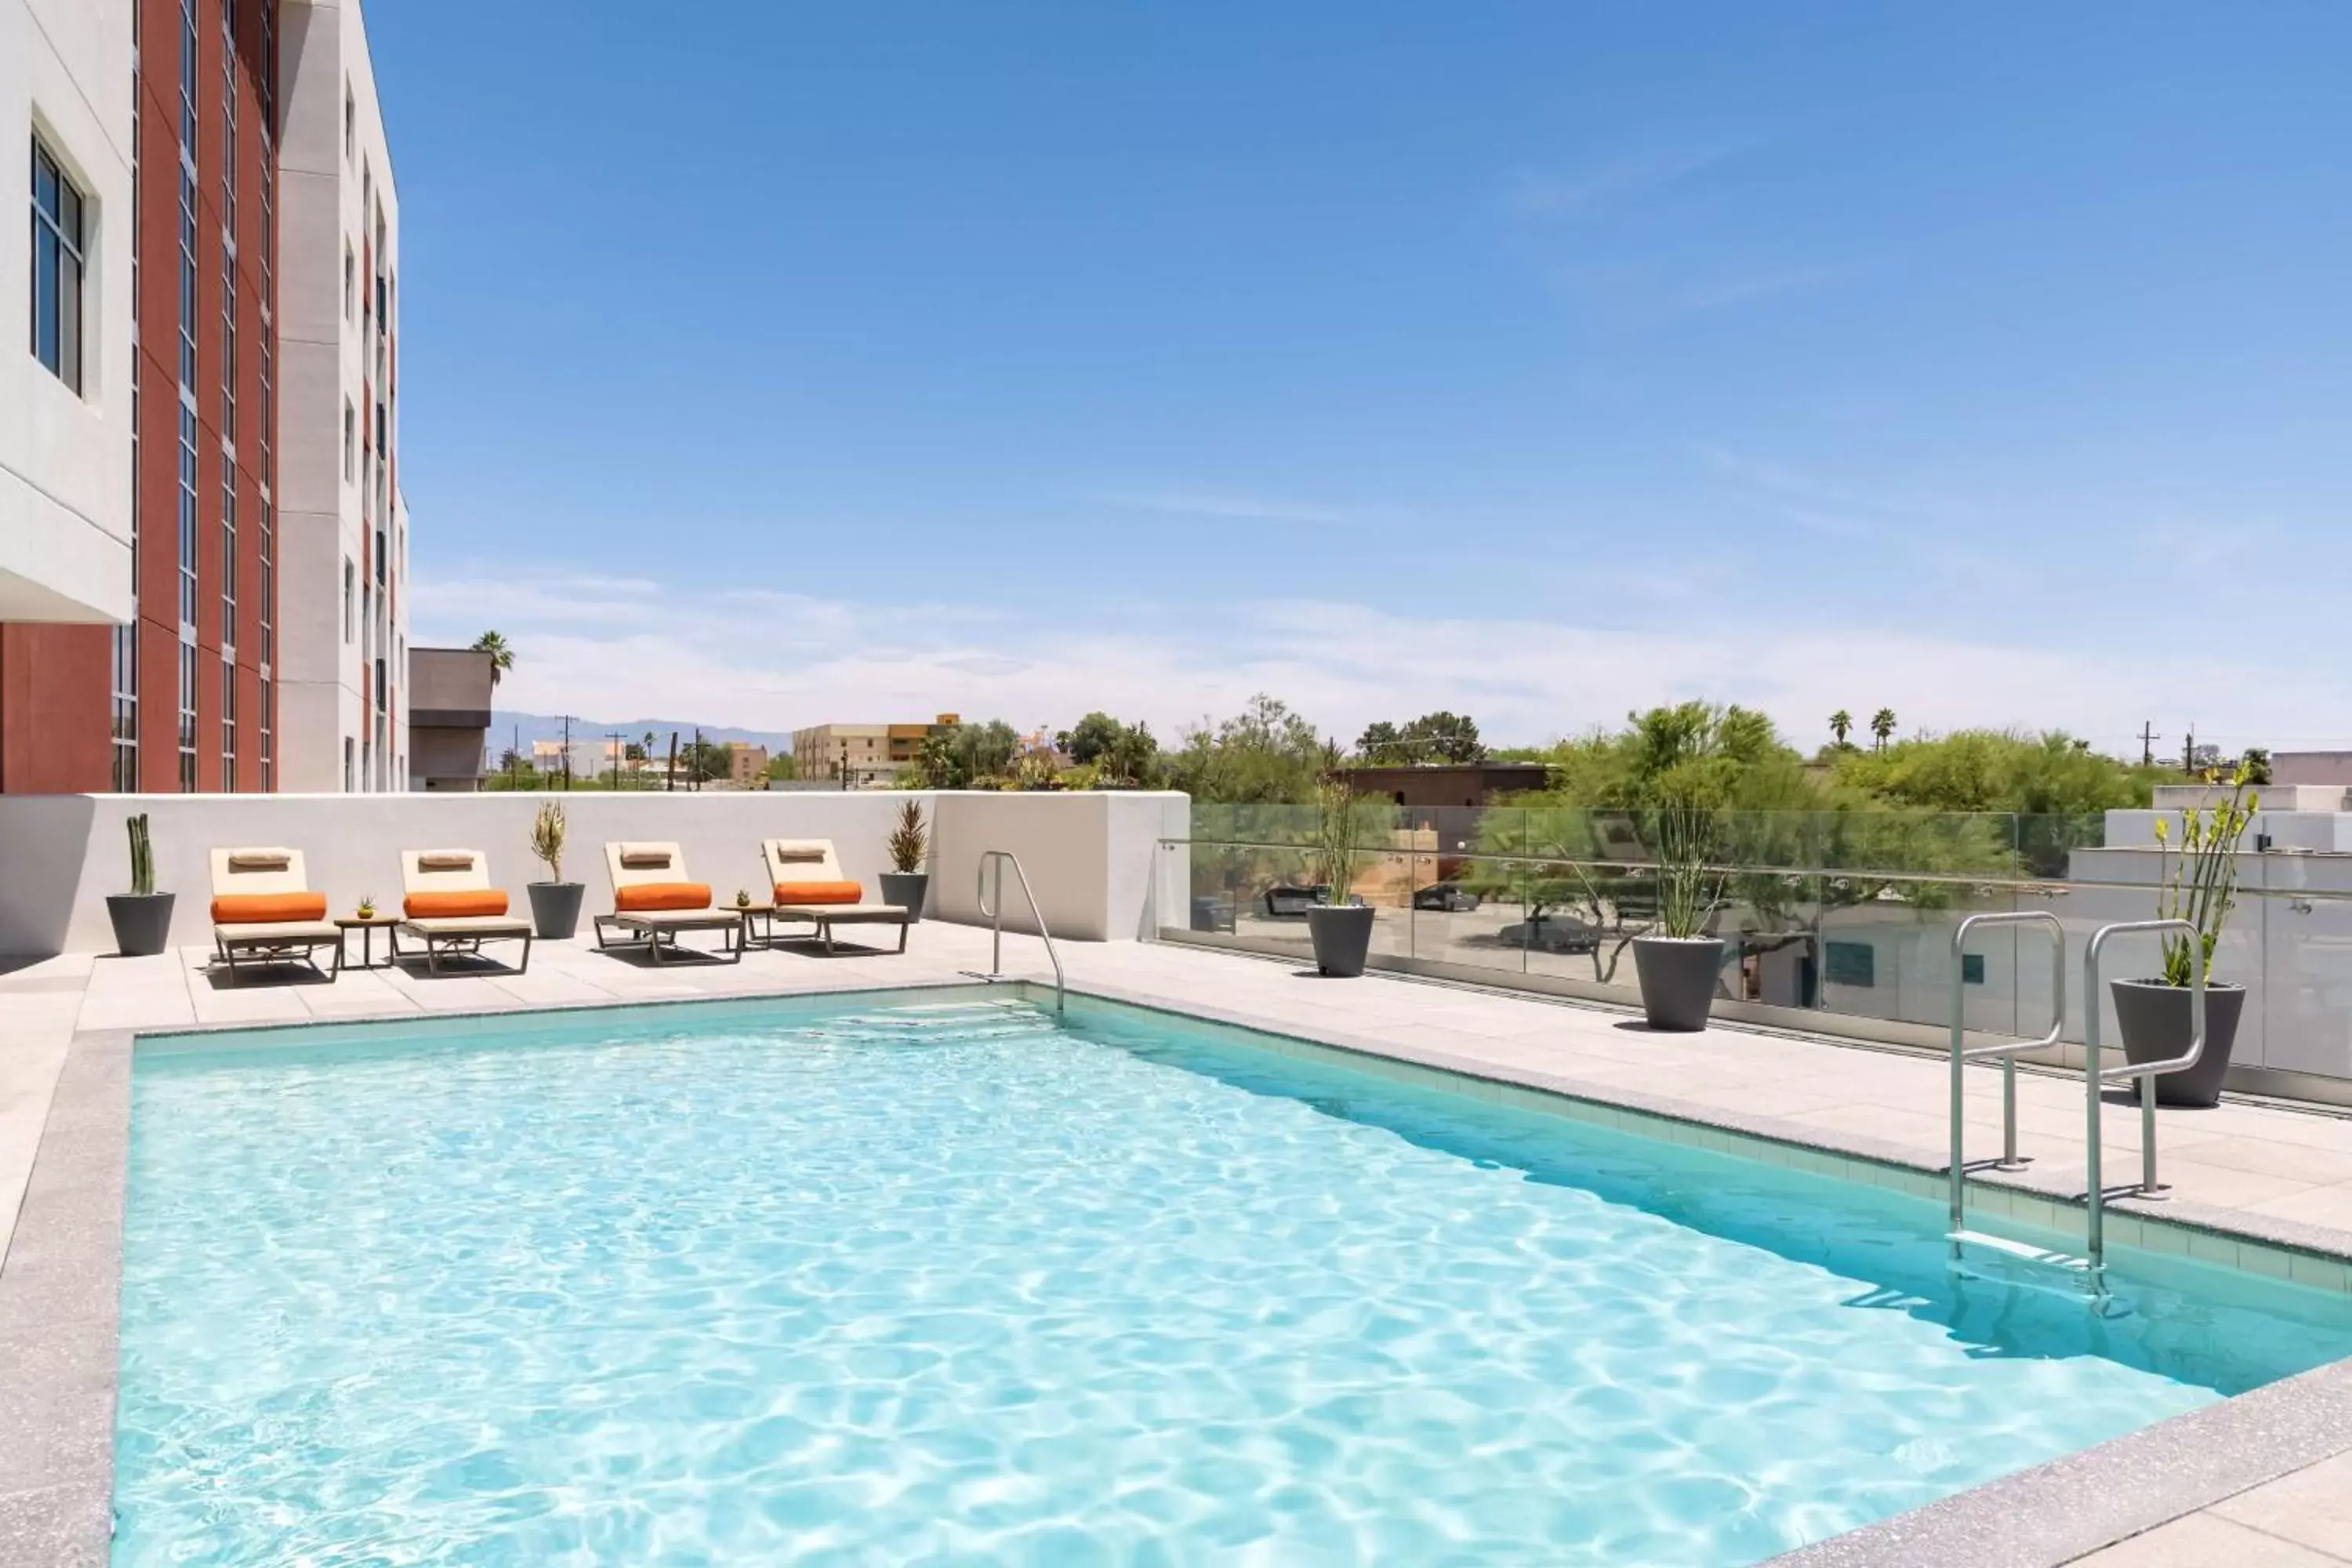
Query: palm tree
[1841, 725]
[501, 655]
[1882, 724]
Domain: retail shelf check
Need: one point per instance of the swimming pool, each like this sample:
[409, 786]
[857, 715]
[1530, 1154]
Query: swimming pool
[866, 1281]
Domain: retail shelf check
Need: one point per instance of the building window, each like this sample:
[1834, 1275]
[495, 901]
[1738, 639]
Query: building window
[229, 554]
[348, 576]
[57, 267]
[351, 444]
[228, 726]
[268, 542]
[126, 708]
[187, 520]
[188, 718]
[347, 764]
[351, 122]
[228, 343]
[268, 738]
[188, 79]
[188, 274]
[351, 285]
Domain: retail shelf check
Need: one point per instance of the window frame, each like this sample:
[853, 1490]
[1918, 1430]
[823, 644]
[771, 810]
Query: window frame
[60, 236]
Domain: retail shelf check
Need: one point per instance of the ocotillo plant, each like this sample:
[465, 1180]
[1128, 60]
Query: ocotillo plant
[142, 855]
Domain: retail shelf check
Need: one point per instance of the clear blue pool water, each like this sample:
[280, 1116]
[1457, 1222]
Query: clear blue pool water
[951, 1284]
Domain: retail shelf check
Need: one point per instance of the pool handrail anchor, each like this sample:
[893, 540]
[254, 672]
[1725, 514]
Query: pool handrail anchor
[994, 911]
[1963, 1053]
[2096, 1076]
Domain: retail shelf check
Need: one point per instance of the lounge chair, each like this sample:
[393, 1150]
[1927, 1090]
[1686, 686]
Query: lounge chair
[264, 912]
[449, 904]
[805, 875]
[652, 899]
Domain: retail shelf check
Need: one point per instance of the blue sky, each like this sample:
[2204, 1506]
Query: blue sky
[785, 362]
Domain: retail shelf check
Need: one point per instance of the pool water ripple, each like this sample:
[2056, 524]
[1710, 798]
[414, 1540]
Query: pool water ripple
[954, 1285]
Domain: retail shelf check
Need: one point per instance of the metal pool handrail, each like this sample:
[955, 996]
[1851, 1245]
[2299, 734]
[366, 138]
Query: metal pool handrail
[995, 913]
[2096, 1077]
[2007, 1050]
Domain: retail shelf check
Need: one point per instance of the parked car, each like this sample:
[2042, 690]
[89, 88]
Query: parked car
[1286, 903]
[1548, 933]
[1444, 897]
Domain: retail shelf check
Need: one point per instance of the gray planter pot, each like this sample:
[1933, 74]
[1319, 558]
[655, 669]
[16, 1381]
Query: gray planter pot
[555, 909]
[142, 922]
[1677, 975]
[905, 888]
[1342, 934]
[2154, 1020]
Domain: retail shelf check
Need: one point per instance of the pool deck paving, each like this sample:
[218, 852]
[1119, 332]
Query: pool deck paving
[2262, 1185]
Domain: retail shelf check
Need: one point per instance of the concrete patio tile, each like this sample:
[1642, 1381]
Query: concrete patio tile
[2329, 1206]
[2204, 1541]
[2220, 1185]
[2311, 1508]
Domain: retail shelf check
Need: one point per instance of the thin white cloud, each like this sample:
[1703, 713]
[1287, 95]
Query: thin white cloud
[1344, 665]
[1611, 181]
[1237, 508]
[1734, 289]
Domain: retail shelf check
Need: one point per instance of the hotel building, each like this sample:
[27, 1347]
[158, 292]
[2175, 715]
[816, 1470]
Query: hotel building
[202, 546]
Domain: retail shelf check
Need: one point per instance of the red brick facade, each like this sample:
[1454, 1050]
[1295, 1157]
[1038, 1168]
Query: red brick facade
[55, 682]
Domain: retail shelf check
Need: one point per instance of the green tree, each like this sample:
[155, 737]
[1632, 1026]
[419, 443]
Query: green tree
[1882, 725]
[1266, 754]
[964, 756]
[1110, 754]
[1841, 726]
[784, 766]
[1090, 737]
[1445, 737]
[501, 655]
[1382, 744]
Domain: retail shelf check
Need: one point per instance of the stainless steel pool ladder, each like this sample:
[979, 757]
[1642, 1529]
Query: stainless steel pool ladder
[2007, 1050]
[2096, 1076]
[994, 911]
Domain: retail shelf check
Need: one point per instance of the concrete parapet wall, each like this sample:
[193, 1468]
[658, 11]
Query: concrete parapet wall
[1089, 856]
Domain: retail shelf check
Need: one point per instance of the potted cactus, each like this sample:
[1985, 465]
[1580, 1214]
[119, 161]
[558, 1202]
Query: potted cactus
[906, 882]
[2197, 882]
[554, 903]
[1340, 928]
[1677, 963]
[142, 917]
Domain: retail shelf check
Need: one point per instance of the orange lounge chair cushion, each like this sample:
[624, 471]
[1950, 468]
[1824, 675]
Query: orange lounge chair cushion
[453, 903]
[643, 896]
[267, 909]
[818, 892]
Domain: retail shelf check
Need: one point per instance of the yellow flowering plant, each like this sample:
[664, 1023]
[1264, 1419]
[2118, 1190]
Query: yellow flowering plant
[2199, 879]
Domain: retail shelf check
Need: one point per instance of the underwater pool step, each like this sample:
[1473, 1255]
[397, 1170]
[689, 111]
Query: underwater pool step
[2006, 1260]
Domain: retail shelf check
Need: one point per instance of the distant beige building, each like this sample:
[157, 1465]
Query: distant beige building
[863, 755]
[747, 764]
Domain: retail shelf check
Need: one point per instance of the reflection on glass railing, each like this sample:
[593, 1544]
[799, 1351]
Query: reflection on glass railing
[1851, 913]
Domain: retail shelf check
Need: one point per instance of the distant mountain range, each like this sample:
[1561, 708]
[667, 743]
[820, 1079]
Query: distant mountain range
[505, 723]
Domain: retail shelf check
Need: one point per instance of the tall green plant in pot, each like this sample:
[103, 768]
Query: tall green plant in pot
[1678, 959]
[554, 903]
[142, 917]
[1349, 830]
[906, 882]
[2196, 882]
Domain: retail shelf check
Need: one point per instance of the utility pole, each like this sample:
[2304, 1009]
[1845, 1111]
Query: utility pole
[620, 745]
[2189, 751]
[670, 781]
[567, 751]
[2147, 740]
[514, 756]
[694, 767]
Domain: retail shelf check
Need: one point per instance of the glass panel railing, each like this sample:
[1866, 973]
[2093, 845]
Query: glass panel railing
[1843, 913]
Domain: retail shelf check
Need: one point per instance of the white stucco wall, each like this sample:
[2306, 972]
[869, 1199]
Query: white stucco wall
[65, 460]
[1089, 856]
